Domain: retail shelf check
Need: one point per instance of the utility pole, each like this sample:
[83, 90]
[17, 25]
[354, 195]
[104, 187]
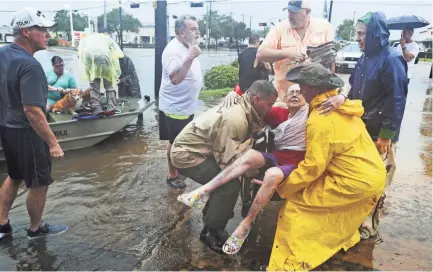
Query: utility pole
[325, 9]
[105, 14]
[330, 10]
[210, 24]
[160, 41]
[250, 22]
[243, 18]
[120, 25]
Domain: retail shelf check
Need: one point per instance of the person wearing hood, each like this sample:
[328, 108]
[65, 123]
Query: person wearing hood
[213, 141]
[380, 81]
[335, 187]
[129, 86]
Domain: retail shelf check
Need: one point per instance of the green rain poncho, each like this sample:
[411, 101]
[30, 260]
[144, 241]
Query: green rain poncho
[99, 57]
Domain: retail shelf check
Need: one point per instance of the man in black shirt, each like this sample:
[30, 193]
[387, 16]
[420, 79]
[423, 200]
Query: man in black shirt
[251, 70]
[27, 140]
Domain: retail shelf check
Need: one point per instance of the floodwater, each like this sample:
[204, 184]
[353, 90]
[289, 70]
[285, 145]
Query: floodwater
[122, 216]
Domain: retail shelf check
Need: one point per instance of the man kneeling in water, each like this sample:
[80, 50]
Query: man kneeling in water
[289, 129]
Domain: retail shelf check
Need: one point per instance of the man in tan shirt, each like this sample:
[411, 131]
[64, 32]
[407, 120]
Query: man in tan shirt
[213, 141]
[286, 44]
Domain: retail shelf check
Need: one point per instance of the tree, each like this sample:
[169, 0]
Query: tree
[260, 32]
[216, 31]
[63, 22]
[129, 22]
[346, 30]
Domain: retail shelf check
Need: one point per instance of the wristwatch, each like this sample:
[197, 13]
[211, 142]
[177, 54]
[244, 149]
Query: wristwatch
[345, 96]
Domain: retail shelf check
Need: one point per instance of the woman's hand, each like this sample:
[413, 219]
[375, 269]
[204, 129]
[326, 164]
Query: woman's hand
[331, 104]
[230, 100]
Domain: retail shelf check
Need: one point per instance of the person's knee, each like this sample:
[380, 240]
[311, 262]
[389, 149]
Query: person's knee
[40, 190]
[273, 176]
[251, 158]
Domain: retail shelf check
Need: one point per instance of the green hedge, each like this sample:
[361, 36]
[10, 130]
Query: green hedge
[52, 42]
[220, 77]
[235, 63]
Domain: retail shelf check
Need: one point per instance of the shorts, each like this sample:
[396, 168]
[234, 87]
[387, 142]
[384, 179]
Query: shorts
[271, 161]
[169, 128]
[27, 156]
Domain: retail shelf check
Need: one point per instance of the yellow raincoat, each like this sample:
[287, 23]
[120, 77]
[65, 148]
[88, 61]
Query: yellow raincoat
[331, 192]
[99, 58]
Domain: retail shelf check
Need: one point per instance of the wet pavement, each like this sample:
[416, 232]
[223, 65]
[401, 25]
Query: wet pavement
[122, 216]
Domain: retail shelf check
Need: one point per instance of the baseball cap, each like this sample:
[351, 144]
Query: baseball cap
[28, 17]
[315, 75]
[297, 5]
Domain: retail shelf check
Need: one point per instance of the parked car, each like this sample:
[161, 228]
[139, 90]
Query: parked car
[348, 57]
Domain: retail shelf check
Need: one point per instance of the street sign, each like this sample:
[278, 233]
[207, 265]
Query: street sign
[263, 24]
[196, 4]
[134, 5]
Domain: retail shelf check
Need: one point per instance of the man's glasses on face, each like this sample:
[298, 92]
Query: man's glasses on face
[293, 92]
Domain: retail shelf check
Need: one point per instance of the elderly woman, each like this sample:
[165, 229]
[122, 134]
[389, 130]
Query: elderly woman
[59, 80]
[289, 129]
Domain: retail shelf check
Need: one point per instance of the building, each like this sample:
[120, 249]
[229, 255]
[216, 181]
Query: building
[424, 39]
[6, 34]
[145, 35]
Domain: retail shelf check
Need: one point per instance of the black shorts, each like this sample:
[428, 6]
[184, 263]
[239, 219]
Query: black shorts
[27, 156]
[169, 128]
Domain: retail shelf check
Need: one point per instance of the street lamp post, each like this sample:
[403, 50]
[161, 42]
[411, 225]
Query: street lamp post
[72, 24]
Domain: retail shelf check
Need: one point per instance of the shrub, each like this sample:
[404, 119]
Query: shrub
[52, 42]
[202, 45]
[235, 63]
[222, 76]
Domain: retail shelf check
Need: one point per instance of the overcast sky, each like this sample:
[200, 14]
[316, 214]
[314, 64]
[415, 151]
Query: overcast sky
[258, 10]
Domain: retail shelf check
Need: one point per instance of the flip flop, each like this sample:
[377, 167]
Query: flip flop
[193, 201]
[234, 244]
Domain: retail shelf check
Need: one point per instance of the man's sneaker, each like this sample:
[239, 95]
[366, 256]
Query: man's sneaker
[5, 230]
[46, 230]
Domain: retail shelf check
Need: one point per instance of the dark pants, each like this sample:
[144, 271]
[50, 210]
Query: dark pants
[219, 208]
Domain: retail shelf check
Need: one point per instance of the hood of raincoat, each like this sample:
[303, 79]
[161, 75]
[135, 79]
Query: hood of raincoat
[377, 33]
[350, 107]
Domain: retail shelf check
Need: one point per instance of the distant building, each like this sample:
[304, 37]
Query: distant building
[424, 39]
[6, 34]
[145, 35]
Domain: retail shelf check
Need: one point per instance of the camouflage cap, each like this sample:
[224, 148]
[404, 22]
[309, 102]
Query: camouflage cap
[314, 75]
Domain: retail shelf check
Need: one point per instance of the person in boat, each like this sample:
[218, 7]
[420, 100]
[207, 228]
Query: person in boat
[59, 81]
[129, 85]
[210, 143]
[27, 140]
[99, 64]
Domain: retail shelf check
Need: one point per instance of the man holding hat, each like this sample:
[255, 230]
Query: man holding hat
[27, 141]
[336, 186]
[287, 42]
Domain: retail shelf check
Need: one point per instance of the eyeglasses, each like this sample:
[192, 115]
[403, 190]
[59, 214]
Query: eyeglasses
[293, 92]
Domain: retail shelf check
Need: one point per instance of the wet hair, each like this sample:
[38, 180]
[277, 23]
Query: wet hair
[56, 59]
[180, 24]
[263, 88]
[253, 39]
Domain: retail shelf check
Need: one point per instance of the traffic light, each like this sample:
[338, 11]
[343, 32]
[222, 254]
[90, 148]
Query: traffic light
[263, 24]
[134, 5]
[196, 4]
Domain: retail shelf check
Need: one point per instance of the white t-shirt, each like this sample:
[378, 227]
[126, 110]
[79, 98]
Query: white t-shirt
[412, 48]
[179, 99]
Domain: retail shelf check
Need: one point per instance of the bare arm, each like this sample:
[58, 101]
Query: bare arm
[407, 55]
[179, 74]
[271, 55]
[39, 123]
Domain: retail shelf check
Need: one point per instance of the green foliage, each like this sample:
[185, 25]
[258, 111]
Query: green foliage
[346, 30]
[63, 22]
[212, 94]
[129, 22]
[222, 76]
[235, 63]
[202, 46]
[52, 42]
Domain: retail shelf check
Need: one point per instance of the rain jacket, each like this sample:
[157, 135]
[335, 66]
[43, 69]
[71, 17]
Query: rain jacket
[219, 133]
[99, 58]
[380, 81]
[331, 192]
[129, 85]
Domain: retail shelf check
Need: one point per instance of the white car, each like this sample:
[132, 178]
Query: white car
[348, 57]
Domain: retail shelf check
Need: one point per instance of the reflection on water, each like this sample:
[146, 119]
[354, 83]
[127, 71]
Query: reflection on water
[122, 216]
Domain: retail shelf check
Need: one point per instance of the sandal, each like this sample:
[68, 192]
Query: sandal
[193, 201]
[234, 244]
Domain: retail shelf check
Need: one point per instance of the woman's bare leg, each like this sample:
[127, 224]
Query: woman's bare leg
[252, 159]
[273, 177]
[49, 107]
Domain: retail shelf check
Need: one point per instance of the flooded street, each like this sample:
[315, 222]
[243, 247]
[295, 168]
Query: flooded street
[123, 216]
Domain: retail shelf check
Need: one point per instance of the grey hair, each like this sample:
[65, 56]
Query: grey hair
[180, 24]
[263, 88]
